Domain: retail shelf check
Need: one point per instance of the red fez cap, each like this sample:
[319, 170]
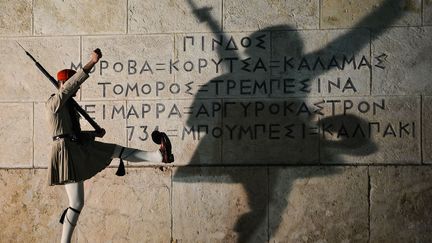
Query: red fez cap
[65, 74]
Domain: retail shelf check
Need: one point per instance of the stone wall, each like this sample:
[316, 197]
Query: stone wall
[292, 121]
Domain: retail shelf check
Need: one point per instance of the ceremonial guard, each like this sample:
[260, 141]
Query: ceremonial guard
[75, 155]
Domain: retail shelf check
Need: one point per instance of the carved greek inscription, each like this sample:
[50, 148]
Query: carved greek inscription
[257, 115]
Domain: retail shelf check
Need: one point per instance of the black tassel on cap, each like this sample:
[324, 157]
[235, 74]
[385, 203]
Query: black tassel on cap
[121, 169]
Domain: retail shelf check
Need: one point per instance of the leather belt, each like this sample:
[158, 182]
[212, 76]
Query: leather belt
[71, 137]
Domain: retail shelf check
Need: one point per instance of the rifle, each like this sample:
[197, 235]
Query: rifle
[99, 132]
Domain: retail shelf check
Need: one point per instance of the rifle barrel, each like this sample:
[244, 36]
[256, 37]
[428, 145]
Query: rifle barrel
[51, 79]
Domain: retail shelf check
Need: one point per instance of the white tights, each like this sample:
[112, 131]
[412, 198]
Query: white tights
[75, 191]
[136, 155]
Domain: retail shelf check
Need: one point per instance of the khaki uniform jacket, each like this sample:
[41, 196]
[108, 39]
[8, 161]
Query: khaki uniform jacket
[72, 161]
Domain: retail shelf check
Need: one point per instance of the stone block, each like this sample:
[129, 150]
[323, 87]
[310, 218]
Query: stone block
[16, 129]
[370, 13]
[220, 204]
[140, 200]
[16, 18]
[223, 65]
[269, 131]
[129, 69]
[318, 204]
[42, 137]
[377, 129]
[105, 114]
[427, 12]
[187, 124]
[321, 63]
[21, 79]
[79, 17]
[30, 208]
[400, 207]
[253, 15]
[169, 16]
[133, 208]
[405, 57]
[427, 129]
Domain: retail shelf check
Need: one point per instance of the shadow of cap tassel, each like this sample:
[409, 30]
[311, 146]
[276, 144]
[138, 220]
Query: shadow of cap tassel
[121, 169]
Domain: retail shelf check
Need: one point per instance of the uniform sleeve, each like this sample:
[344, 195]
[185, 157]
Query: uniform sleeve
[57, 101]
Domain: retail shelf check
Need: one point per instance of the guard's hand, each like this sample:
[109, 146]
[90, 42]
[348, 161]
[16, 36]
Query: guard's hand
[96, 55]
[98, 52]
